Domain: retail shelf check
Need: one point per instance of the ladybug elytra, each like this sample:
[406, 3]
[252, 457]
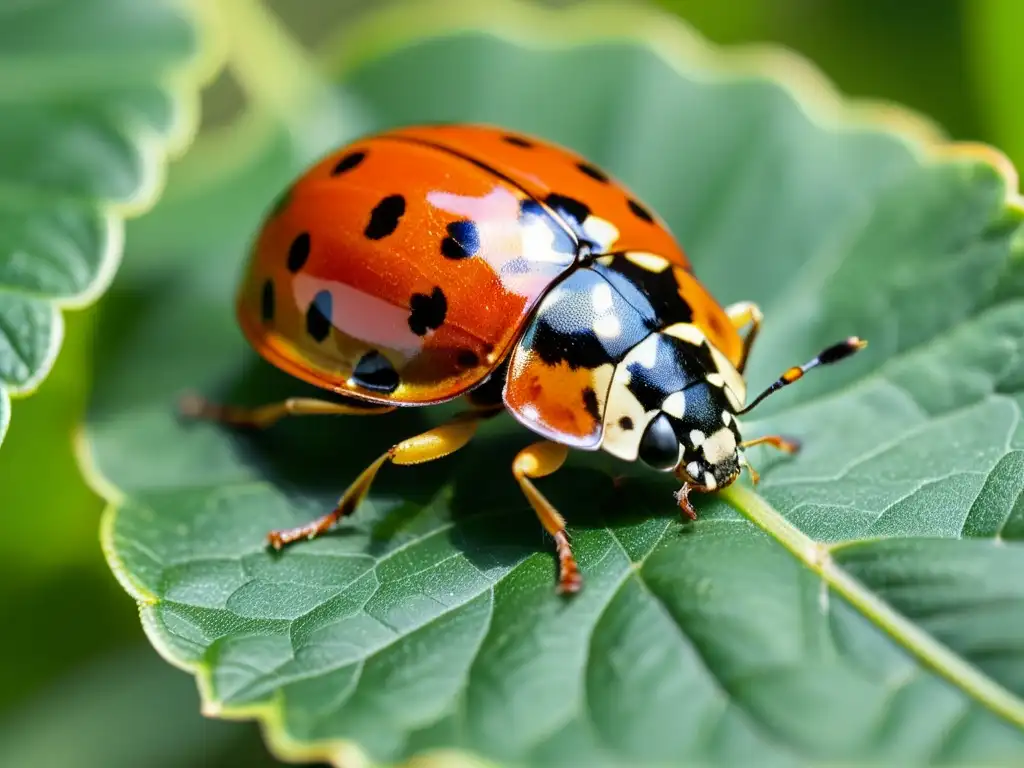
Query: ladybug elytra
[432, 262]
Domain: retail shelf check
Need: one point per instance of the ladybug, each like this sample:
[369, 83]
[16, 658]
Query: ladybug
[429, 263]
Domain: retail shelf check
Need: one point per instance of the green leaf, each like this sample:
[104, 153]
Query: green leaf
[94, 95]
[861, 609]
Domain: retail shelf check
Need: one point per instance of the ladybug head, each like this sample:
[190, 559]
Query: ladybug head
[697, 436]
[696, 433]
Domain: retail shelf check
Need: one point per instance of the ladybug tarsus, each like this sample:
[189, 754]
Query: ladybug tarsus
[570, 581]
[682, 497]
[280, 539]
[192, 406]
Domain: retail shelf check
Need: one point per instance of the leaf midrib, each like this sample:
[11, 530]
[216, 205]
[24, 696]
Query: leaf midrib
[924, 647]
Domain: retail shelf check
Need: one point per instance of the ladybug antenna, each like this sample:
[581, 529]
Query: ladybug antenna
[827, 356]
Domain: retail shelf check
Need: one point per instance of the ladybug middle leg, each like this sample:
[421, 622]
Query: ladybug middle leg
[433, 444]
[538, 460]
[741, 314]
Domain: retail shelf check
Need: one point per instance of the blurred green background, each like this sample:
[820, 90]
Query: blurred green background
[81, 685]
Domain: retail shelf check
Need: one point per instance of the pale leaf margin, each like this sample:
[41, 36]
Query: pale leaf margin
[687, 53]
[184, 85]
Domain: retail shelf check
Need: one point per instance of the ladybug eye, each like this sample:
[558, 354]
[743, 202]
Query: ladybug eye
[659, 447]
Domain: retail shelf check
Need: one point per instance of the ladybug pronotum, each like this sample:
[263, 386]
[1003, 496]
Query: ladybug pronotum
[435, 262]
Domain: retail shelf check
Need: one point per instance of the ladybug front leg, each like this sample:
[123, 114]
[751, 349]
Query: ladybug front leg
[784, 444]
[538, 460]
[741, 314]
[433, 444]
[683, 499]
[263, 416]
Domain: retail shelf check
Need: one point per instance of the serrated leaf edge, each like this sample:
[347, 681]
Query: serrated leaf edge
[156, 151]
[689, 54]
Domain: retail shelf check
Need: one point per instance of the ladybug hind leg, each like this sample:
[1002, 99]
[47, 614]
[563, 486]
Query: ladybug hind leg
[433, 444]
[263, 416]
[742, 314]
[539, 460]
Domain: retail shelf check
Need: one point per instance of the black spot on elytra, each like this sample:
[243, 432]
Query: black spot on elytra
[569, 207]
[385, 217]
[518, 141]
[428, 312]
[463, 240]
[298, 252]
[375, 372]
[318, 316]
[640, 211]
[590, 403]
[593, 172]
[574, 213]
[267, 301]
[532, 213]
[348, 162]
[467, 358]
[626, 423]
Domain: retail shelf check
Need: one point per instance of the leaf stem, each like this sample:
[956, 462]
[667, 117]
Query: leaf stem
[929, 651]
[273, 70]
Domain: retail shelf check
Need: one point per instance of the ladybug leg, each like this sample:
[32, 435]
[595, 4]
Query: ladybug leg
[784, 444]
[539, 460]
[433, 444]
[260, 417]
[682, 497]
[741, 314]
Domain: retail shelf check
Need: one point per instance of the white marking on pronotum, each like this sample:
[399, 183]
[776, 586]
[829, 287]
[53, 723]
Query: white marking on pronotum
[675, 404]
[647, 261]
[687, 332]
[715, 379]
[607, 326]
[601, 298]
[602, 232]
[696, 437]
[709, 481]
[647, 352]
[726, 418]
[720, 446]
[693, 469]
